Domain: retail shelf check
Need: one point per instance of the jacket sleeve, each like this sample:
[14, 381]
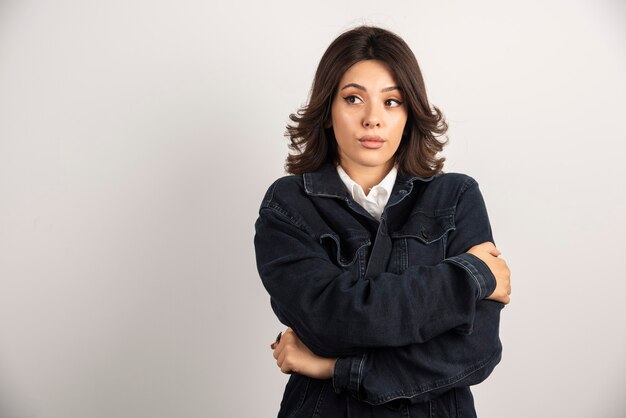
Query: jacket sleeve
[336, 314]
[418, 372]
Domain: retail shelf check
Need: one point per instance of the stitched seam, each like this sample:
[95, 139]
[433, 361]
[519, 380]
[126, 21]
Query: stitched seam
[279, 210]
[468, 268]
[405, 255]
[467, 184]
[418, 391]
[341, 262]
[308, 190]
[452, 228]
[358, 377]
[320, 400]
[361, 263]
[271, 194]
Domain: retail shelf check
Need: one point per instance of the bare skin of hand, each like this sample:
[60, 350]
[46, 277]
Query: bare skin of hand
[292, 356]
[488, 253]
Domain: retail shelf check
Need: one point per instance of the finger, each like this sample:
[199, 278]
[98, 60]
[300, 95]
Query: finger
[279, 349]
[277, 341]
[282, 363]
[286, 367]
[494, 252]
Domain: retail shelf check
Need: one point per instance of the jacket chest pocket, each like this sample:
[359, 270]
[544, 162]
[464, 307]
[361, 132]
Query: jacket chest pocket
[422, 240]
[349, 252]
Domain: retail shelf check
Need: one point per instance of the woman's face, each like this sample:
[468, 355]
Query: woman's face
[368, 117]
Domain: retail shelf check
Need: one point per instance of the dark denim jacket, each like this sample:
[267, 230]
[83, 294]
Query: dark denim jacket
[398, 301]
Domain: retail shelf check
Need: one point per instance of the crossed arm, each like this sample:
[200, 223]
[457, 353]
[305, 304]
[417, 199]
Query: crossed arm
[306, 286]
[293, 356]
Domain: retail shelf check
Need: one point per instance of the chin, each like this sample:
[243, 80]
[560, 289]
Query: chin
[374, 163]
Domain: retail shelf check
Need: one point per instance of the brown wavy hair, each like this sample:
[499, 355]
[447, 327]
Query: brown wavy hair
[312, 139]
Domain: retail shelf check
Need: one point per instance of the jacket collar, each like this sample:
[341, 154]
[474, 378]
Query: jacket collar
[325, 182]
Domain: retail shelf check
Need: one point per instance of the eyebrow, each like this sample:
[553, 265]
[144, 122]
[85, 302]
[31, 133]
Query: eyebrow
[360, 87]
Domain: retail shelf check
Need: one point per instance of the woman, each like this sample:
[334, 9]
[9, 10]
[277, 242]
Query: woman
[382, 266]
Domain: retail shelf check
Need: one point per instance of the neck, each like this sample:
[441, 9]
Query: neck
[367, 177]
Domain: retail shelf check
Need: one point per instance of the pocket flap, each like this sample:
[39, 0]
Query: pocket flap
[344, 249]
[427, 226]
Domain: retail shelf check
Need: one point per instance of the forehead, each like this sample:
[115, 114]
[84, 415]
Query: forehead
[370, 72]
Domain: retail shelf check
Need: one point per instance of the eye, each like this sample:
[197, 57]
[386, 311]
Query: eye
[353, 99]
[393, 103]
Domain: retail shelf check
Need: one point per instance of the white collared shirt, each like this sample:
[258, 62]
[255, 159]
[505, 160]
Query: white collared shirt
[374, 202]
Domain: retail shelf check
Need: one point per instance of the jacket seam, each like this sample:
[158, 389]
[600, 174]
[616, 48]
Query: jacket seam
[274, 207]
[466, 185]
[358, 379]
[470, 269]
[391, 396]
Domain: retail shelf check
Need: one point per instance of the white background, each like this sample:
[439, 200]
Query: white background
[138, 137]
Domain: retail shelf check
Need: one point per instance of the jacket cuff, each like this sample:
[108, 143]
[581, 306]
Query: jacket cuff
[482, 277]
[347, 375]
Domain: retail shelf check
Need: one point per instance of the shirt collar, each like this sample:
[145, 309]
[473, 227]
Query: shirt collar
[354, 188]
[326, 182]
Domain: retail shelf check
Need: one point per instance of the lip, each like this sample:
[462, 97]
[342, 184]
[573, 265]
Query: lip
[371, 141]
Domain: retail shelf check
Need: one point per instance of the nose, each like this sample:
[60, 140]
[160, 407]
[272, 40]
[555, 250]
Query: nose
[372, 118]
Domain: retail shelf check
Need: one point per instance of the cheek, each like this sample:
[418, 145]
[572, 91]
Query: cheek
[341, 125]
[398, 130]
[401, 124]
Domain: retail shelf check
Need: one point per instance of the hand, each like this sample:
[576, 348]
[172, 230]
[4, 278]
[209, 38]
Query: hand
[488, 253]
[292, 356]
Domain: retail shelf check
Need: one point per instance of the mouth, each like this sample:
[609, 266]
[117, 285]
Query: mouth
[372, 142]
